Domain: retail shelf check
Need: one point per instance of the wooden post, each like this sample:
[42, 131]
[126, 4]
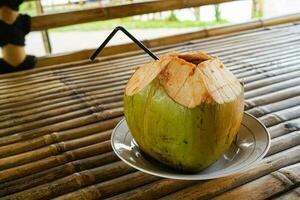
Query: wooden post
[45, 35]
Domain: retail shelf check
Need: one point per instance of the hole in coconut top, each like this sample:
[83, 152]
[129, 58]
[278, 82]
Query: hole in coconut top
[194, 59]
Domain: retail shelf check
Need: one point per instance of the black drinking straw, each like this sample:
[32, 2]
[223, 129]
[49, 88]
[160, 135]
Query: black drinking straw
[129, 35]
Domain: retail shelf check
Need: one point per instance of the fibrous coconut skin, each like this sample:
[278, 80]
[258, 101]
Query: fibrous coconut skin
[184, 110]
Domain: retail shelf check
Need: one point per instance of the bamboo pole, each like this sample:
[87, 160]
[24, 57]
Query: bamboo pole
[74, 181]
[209, 189]
[56, 91]
[174, 39]
[47, 21]
[111, 187]
[267, 99]
[52, 150]
[7, 150]
[123, 58]
[290, 195]
[286, 127]
[269, 108]
[281, 116]
[269, 81]
[46, 118]
[50, 106]
[55, 173]
[283, 142]
[96, 112]
[266, 186]
[247, 93]
[52, 161]
[73, 123]
[272, 97]
[46, 151]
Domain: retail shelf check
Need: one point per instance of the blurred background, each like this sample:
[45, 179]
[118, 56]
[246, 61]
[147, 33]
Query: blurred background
[90, 35]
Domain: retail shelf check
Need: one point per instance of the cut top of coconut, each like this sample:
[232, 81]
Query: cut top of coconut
[189, 79]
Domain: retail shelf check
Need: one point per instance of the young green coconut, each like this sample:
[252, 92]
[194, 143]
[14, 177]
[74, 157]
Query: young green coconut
[184, 110]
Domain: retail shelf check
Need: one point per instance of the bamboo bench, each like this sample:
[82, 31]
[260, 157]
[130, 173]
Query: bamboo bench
[56, 123]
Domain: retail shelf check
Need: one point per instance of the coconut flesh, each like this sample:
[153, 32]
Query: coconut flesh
[184, 110]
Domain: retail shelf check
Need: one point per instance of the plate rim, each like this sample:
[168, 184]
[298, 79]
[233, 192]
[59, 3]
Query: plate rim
[197, 176]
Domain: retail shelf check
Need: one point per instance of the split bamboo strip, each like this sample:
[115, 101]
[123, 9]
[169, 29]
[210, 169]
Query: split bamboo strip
[173, 39]
[98, 189]
[147, 58]
[290, 195]
[262, 74]
[286, 127]
[230, 49]
[39, 154]
[273, 87]
[247, 95]
[209, 189]
[269, 81]
[56, 90]
[283, 142]
[17, 114]
[24, 146]
[111, 187]
[248, 65]
[269, 108]
[273, 97]
[32, 85]
[73, 123]
[53, 161]
[44, 118]
[281, 116]
[266, 186]
[154, 190]
[74, 181]
[30, 173]
[46, 151]
[121, 113]
[40, 124]
[27, 145]
[56, 173]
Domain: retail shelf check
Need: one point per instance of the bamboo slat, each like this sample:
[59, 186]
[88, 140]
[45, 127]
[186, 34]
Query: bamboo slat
[205, 190]
[56, 173]
[172, 39]
[266, 186]
[290, 195]
[56, 122]
[47, 21]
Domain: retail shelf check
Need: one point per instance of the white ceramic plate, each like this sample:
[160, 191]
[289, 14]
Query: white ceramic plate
[253, 142]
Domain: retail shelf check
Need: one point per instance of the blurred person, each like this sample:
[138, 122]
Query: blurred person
[13, 29]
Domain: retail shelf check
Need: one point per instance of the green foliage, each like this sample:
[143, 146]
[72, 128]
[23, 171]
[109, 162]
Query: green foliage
[28, 8]
[218, 13]
[130, 23]
[172, 17]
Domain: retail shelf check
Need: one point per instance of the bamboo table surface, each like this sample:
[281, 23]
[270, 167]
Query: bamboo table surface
[56, 122]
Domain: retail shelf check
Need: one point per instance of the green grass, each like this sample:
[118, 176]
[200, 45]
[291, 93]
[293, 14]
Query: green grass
[129, 23]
